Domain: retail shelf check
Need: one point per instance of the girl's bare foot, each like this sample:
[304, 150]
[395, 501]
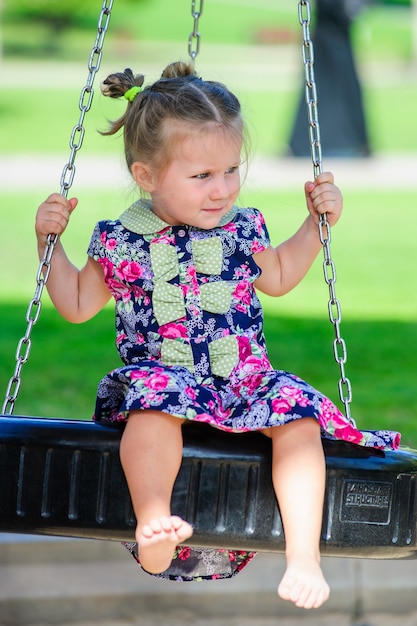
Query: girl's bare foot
[157, 541]
[304, 584]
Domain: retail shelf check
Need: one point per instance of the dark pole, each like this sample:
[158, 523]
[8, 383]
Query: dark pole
[341, 115]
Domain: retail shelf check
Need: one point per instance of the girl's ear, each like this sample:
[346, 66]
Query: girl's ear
[143, 175]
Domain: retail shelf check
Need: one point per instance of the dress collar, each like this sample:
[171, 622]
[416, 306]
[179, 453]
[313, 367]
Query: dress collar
[140, 219]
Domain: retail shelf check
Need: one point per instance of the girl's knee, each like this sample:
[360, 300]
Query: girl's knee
[306, 427]
[150, 414]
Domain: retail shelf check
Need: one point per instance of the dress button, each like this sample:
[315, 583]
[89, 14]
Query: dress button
[181, 233]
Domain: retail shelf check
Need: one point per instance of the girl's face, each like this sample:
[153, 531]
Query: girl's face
[201, 182]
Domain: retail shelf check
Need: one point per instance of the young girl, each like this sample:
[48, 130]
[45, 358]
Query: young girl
[183, 266]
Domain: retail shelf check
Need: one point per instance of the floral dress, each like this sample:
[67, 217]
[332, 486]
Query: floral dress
[189, 330]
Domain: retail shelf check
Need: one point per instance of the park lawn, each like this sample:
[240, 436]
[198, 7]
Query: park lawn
[373, 246]
[67, 361]
[375, 279]
[382, 32]
[45, 127]
[268, 80]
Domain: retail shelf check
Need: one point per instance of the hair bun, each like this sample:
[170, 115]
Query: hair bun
[116, 85]
[178, 69]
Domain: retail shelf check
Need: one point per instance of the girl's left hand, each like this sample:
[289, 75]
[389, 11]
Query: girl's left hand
[322, 196]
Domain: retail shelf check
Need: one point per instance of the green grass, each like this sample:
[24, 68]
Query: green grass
[374, 252]
[381, 32]
[388, 112]
[67, 361]
[46, 125]
[157, 31]
[373, 246]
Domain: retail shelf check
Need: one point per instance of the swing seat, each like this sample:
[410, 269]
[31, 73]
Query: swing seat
[64, 478]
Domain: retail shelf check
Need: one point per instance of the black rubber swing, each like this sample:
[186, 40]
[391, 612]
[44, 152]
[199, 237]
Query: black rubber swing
[64, 478]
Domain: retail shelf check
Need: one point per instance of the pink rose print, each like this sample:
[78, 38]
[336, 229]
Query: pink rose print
[397, 441]
[194, 310]
[121, 337]
[192, 279]
[173, 330]
[190, 393]
[335, 422]
[222, 414]
[348, 433]
[111, 244]
[191, 274]
[158, 381]
[129, 271]
[256, 364]
[108, 268]
[242, 272]
[230, 227]
[245, 349]
[118, 290]
[186, 289]
[163, 237]
[256, 247]
[139, 293]
[138, 374]
[254, 382]
[242, 292]
[295, 394]
[249, 362]
[150, 397]
[259, 223]
[204, 418]
[281, 405]
[330, 412]
[184, 553]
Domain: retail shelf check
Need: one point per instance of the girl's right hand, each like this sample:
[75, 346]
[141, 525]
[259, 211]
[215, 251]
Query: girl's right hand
[53, 216]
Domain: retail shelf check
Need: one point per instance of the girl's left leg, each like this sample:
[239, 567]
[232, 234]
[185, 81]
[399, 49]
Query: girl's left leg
[299, 477]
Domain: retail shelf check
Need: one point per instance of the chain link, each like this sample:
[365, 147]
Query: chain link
[195, 37]
[329, 268]
[67, 177]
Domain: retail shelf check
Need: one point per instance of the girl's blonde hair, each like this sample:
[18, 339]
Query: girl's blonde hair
[155, 117]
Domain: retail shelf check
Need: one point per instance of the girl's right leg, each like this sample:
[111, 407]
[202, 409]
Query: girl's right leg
[151, 454]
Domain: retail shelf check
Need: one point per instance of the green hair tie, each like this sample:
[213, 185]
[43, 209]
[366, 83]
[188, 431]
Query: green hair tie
[131, 93]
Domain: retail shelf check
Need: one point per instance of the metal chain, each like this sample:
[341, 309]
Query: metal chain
[195, 37]
[335, 313]
[67, 177]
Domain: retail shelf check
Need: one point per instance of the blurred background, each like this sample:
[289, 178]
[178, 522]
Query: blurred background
[366, 71]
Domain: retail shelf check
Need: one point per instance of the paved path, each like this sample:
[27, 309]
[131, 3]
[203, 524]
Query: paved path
[90, 583]
[334, 619]
[109, 172]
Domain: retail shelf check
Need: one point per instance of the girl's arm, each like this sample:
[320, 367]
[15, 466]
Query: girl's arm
[286, 265]
[77, 294]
